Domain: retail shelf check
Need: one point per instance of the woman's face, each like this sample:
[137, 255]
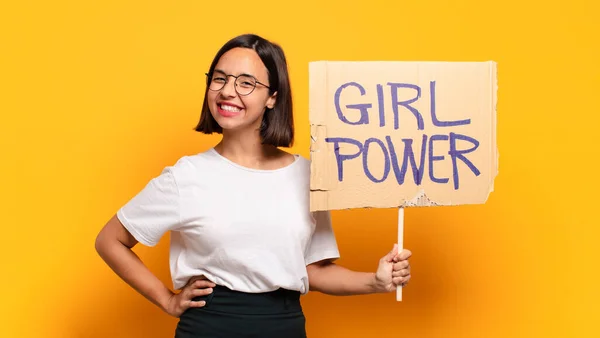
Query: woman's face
[231, 110]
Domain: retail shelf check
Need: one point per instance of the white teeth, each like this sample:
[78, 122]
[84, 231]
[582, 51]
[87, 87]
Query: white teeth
[230, 108]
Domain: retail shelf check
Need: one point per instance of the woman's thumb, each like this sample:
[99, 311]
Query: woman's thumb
[390, 256]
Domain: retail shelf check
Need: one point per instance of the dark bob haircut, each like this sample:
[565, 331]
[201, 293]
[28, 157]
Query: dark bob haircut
[277, 126]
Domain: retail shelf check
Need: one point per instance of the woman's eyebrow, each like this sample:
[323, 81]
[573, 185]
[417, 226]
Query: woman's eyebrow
[222, 72]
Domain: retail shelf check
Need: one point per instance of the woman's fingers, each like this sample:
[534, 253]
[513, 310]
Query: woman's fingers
[401, 280]
[203, 283]
[198, 288]
[401, 265]
[199, 303]
[201, 292]
[401, 273]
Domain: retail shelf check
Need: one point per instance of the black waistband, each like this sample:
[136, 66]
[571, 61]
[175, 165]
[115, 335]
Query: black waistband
[225, 300]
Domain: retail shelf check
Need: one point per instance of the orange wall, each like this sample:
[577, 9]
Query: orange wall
[98, 97]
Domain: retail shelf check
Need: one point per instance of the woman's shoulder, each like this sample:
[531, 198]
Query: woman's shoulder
[191, 164]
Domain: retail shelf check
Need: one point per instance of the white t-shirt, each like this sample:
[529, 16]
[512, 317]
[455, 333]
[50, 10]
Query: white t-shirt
[247, 229]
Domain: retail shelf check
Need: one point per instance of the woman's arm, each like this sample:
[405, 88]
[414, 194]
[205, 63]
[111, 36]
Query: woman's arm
[333, 279]
[114, 244]
[330, 278]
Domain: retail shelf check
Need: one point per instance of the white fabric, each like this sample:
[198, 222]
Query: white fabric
[250, 230]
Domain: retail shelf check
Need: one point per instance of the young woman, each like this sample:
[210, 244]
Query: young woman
[244, 246]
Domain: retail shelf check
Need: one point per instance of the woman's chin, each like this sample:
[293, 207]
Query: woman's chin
[234, 125]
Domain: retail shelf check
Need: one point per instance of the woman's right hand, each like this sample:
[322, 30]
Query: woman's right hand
[180, 302]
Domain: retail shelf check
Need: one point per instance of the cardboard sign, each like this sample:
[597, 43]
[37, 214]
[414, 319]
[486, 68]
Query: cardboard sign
[396, 134]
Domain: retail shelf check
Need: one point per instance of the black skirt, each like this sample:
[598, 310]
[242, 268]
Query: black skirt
[229, 313]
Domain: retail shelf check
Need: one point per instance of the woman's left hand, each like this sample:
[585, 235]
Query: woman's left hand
[393, 270]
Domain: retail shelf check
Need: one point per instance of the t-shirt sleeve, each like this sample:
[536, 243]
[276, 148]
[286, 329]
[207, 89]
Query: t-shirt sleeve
[323, 244]
[154, 210]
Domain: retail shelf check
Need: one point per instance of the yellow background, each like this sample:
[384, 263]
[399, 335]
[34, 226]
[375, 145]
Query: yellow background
[97, 97]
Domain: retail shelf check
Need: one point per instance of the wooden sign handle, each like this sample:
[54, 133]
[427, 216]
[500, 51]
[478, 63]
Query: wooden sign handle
[400, 246]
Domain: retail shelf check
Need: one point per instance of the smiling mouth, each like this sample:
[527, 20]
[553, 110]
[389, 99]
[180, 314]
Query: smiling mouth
[230, 108]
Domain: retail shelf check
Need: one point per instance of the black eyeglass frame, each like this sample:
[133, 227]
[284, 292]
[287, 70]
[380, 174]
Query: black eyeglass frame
[209, 80]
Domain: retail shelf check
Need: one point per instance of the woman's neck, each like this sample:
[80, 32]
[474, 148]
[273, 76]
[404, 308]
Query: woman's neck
[246, 148]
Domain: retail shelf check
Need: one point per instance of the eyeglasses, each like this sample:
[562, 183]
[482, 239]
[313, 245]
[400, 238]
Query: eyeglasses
[244, 84]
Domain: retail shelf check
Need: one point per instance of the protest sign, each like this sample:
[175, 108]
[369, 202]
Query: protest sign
[401, 134]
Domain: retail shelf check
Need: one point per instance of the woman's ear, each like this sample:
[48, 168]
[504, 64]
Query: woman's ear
[272, 100]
